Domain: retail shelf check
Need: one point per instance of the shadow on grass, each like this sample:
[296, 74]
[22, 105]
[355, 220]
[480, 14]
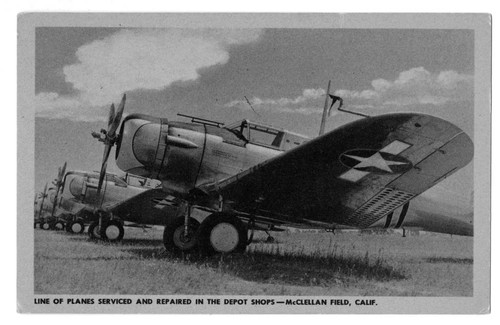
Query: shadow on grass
[296, 269]
[142, 242]
[454, 260]
[82, 237]
[286, 268]
[123, 242]
[265, 241]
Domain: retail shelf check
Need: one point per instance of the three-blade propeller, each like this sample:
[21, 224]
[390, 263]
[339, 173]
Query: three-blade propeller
[109, 137]
[59, 183]
[44, 195]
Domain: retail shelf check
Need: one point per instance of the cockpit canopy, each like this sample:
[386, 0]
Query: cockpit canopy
[265, 135]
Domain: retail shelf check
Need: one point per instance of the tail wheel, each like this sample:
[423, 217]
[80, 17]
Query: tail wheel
[222, 233]
[59, 225]
[112, 231]
[175, 239]
[93, 230]
[75, 227]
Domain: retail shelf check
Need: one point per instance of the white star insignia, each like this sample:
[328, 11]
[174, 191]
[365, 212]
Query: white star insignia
[377, 161]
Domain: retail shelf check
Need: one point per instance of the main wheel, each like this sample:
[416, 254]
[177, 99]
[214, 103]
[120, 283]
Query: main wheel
[59, 225]
[222, 233]
[75, 227]
[45, 225]
[93, 230]
[112, 231]
[174, 237]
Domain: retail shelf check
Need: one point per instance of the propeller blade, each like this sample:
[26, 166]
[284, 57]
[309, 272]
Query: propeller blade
[43, 198]
[61, 177]
[102, 174]
[64, 169]
[111, 116]
[59, 185]
[114, 119]
[117, 117]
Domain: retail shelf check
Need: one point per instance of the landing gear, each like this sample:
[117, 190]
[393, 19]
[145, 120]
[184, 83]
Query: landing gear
[93, 230]
[75, 227]
[59, 225]
[270, 239]
[45, 225]
[222, 233]
[175, 238]
[111, 230]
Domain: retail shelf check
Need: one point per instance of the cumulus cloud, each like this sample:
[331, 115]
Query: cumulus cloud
[286, 105]
[52, 105]
[139, 59]
[416, 86]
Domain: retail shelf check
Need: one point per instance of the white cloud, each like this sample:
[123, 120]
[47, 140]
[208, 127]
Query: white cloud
[51, 105]
[416, 86]
[139, 59]
[285, 105]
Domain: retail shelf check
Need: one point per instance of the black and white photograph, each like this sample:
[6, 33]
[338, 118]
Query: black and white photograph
[254, 163]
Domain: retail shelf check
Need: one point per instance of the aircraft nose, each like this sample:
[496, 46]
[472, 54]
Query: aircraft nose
[141, 146]
[76, 187]
[145, 143]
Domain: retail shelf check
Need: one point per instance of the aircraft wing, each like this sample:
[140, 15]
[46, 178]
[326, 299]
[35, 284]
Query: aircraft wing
[354, 175]
[149, 207]
[70, 206]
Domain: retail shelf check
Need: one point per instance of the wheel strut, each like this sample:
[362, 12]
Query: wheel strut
[186, 220]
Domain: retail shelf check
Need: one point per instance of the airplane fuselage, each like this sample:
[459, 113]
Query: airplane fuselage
[80, 194]
[185, 156]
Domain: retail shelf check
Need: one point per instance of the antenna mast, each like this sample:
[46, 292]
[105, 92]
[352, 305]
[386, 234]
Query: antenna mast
[325, 110]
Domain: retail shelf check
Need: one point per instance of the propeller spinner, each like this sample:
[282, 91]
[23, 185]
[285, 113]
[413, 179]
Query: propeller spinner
[109, 137]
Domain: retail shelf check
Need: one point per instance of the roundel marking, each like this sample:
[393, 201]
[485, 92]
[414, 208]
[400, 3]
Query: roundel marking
[374, 161]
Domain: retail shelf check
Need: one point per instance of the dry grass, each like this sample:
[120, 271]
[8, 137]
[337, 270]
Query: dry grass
[297, 264]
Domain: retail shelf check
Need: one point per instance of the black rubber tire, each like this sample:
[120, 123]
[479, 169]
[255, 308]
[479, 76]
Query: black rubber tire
[270, 239]
[112, 223]
[59, 225]
[69, 227]
[173, 235]
[45, 225]
[205, 231]
[37, 224]
[92, 231]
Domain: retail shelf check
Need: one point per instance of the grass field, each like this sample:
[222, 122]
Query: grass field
[296, 264]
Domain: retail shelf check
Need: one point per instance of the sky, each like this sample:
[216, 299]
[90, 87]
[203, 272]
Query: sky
[209, 72]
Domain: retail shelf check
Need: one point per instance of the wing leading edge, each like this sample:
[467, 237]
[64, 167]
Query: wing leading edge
[354, 175]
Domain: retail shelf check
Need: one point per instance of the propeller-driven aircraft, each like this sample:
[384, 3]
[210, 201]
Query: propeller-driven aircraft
[131, 199]
[53, 218]
[43, 208]
[39, 206]
[247, 173]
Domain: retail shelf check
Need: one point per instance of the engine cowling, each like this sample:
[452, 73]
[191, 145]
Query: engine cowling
[154, 148]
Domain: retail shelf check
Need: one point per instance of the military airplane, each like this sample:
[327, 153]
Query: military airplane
[247, 173]
[132, 199]
[43, 208]
[39, 207]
